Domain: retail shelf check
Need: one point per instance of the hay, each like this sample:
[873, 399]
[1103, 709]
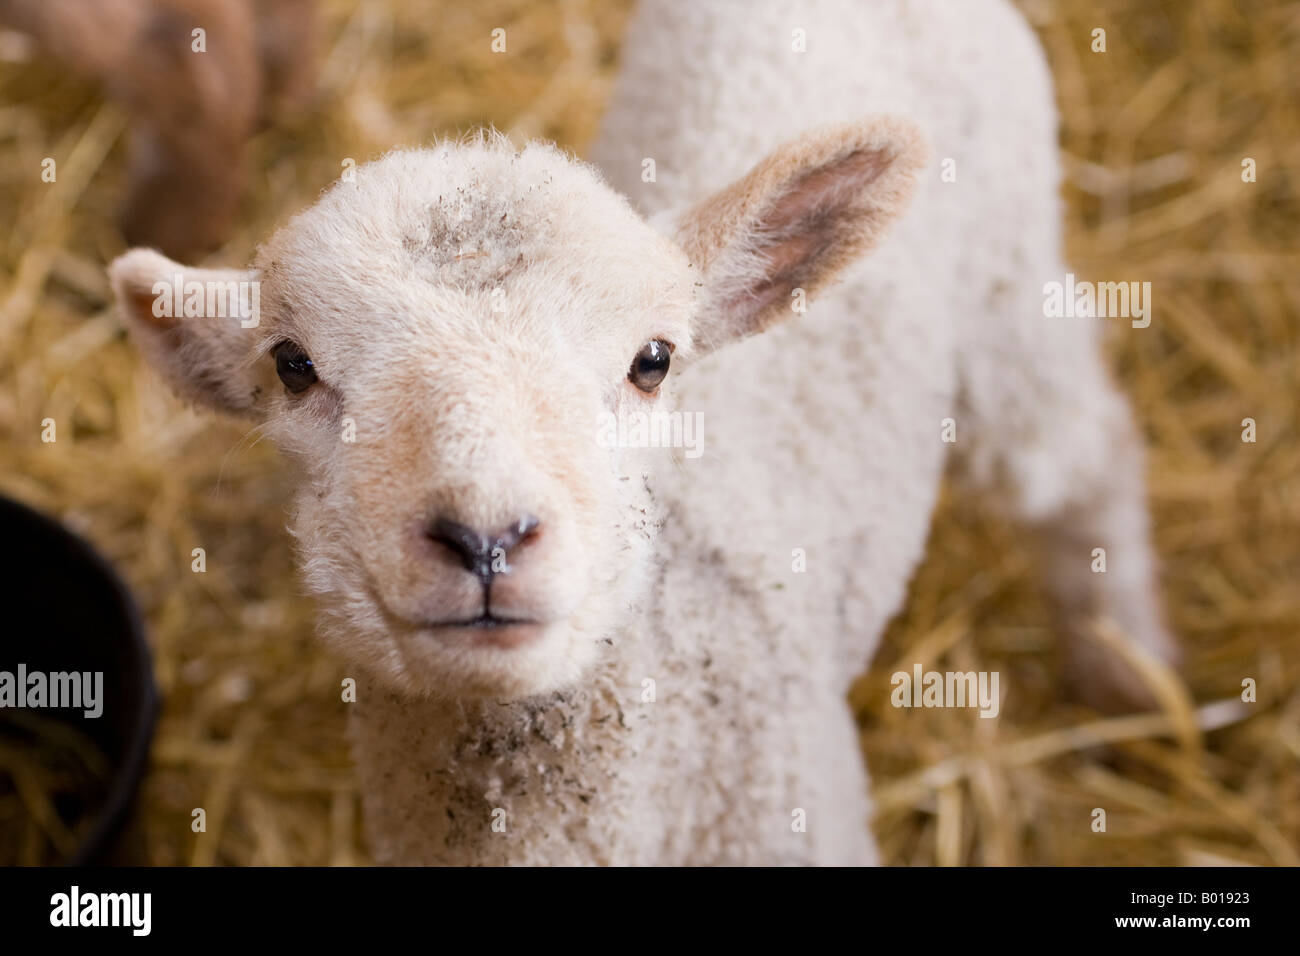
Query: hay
[1154, 134]
[52, 777]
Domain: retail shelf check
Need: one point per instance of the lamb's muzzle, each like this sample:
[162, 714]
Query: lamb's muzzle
[482, 554]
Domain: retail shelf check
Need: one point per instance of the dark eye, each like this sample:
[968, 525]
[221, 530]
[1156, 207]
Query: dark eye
[650, 365]
[294, 367]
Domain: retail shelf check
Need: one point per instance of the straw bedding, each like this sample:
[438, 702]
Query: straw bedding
[1155, 131]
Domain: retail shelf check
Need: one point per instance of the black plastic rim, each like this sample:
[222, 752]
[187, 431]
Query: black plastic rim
[130, 768]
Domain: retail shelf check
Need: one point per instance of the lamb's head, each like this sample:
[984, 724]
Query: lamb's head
[440, 343]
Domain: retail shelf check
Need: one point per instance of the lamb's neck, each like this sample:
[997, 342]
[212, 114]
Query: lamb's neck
[481, 781]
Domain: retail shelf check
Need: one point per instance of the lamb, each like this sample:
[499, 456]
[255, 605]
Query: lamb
[194, 100]
[574, 653]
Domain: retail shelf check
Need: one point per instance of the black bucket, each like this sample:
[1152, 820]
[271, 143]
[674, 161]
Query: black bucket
[67, 611]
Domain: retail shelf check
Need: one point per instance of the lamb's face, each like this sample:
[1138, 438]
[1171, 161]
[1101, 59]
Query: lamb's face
[450, 330]
[441, 343]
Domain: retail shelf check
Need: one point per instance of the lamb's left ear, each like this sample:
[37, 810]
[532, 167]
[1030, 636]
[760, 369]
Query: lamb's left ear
[796, 220]
[197, 327]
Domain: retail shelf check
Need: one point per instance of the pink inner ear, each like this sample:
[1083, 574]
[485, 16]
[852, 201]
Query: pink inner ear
[833, 189]
[813, 227]
[141, 303]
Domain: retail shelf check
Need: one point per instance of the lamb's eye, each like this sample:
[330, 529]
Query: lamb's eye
[294, 367]
[650, 365]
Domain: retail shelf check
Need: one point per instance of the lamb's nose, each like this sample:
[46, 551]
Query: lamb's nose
[481, 553]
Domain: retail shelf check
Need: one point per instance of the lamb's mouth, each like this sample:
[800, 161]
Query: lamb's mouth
[487, 630]
[485, 621]
[483, 629]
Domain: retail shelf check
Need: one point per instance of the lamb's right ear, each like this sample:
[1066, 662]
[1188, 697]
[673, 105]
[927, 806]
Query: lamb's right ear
[796, 220]
[197, 327]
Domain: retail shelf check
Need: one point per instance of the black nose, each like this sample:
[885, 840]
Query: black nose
[477, 550]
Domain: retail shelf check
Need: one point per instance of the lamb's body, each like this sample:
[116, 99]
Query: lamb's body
[823, 435]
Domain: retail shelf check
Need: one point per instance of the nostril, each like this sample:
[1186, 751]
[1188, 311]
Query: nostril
[479, 552]
[523, 529]
[462, 540]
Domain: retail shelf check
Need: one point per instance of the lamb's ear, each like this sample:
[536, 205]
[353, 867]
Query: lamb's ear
[796, 220]
[197, 327]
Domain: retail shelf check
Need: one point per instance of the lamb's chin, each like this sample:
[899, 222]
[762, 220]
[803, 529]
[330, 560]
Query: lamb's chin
[505, 663]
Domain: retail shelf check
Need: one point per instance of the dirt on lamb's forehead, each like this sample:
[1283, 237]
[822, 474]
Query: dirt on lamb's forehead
[461, 215]
[473, 235]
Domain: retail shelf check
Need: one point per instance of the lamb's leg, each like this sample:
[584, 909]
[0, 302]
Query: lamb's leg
[1107, 510]
[1050, 432]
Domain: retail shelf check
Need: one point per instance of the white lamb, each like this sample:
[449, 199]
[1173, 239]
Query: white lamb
[582, 654]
